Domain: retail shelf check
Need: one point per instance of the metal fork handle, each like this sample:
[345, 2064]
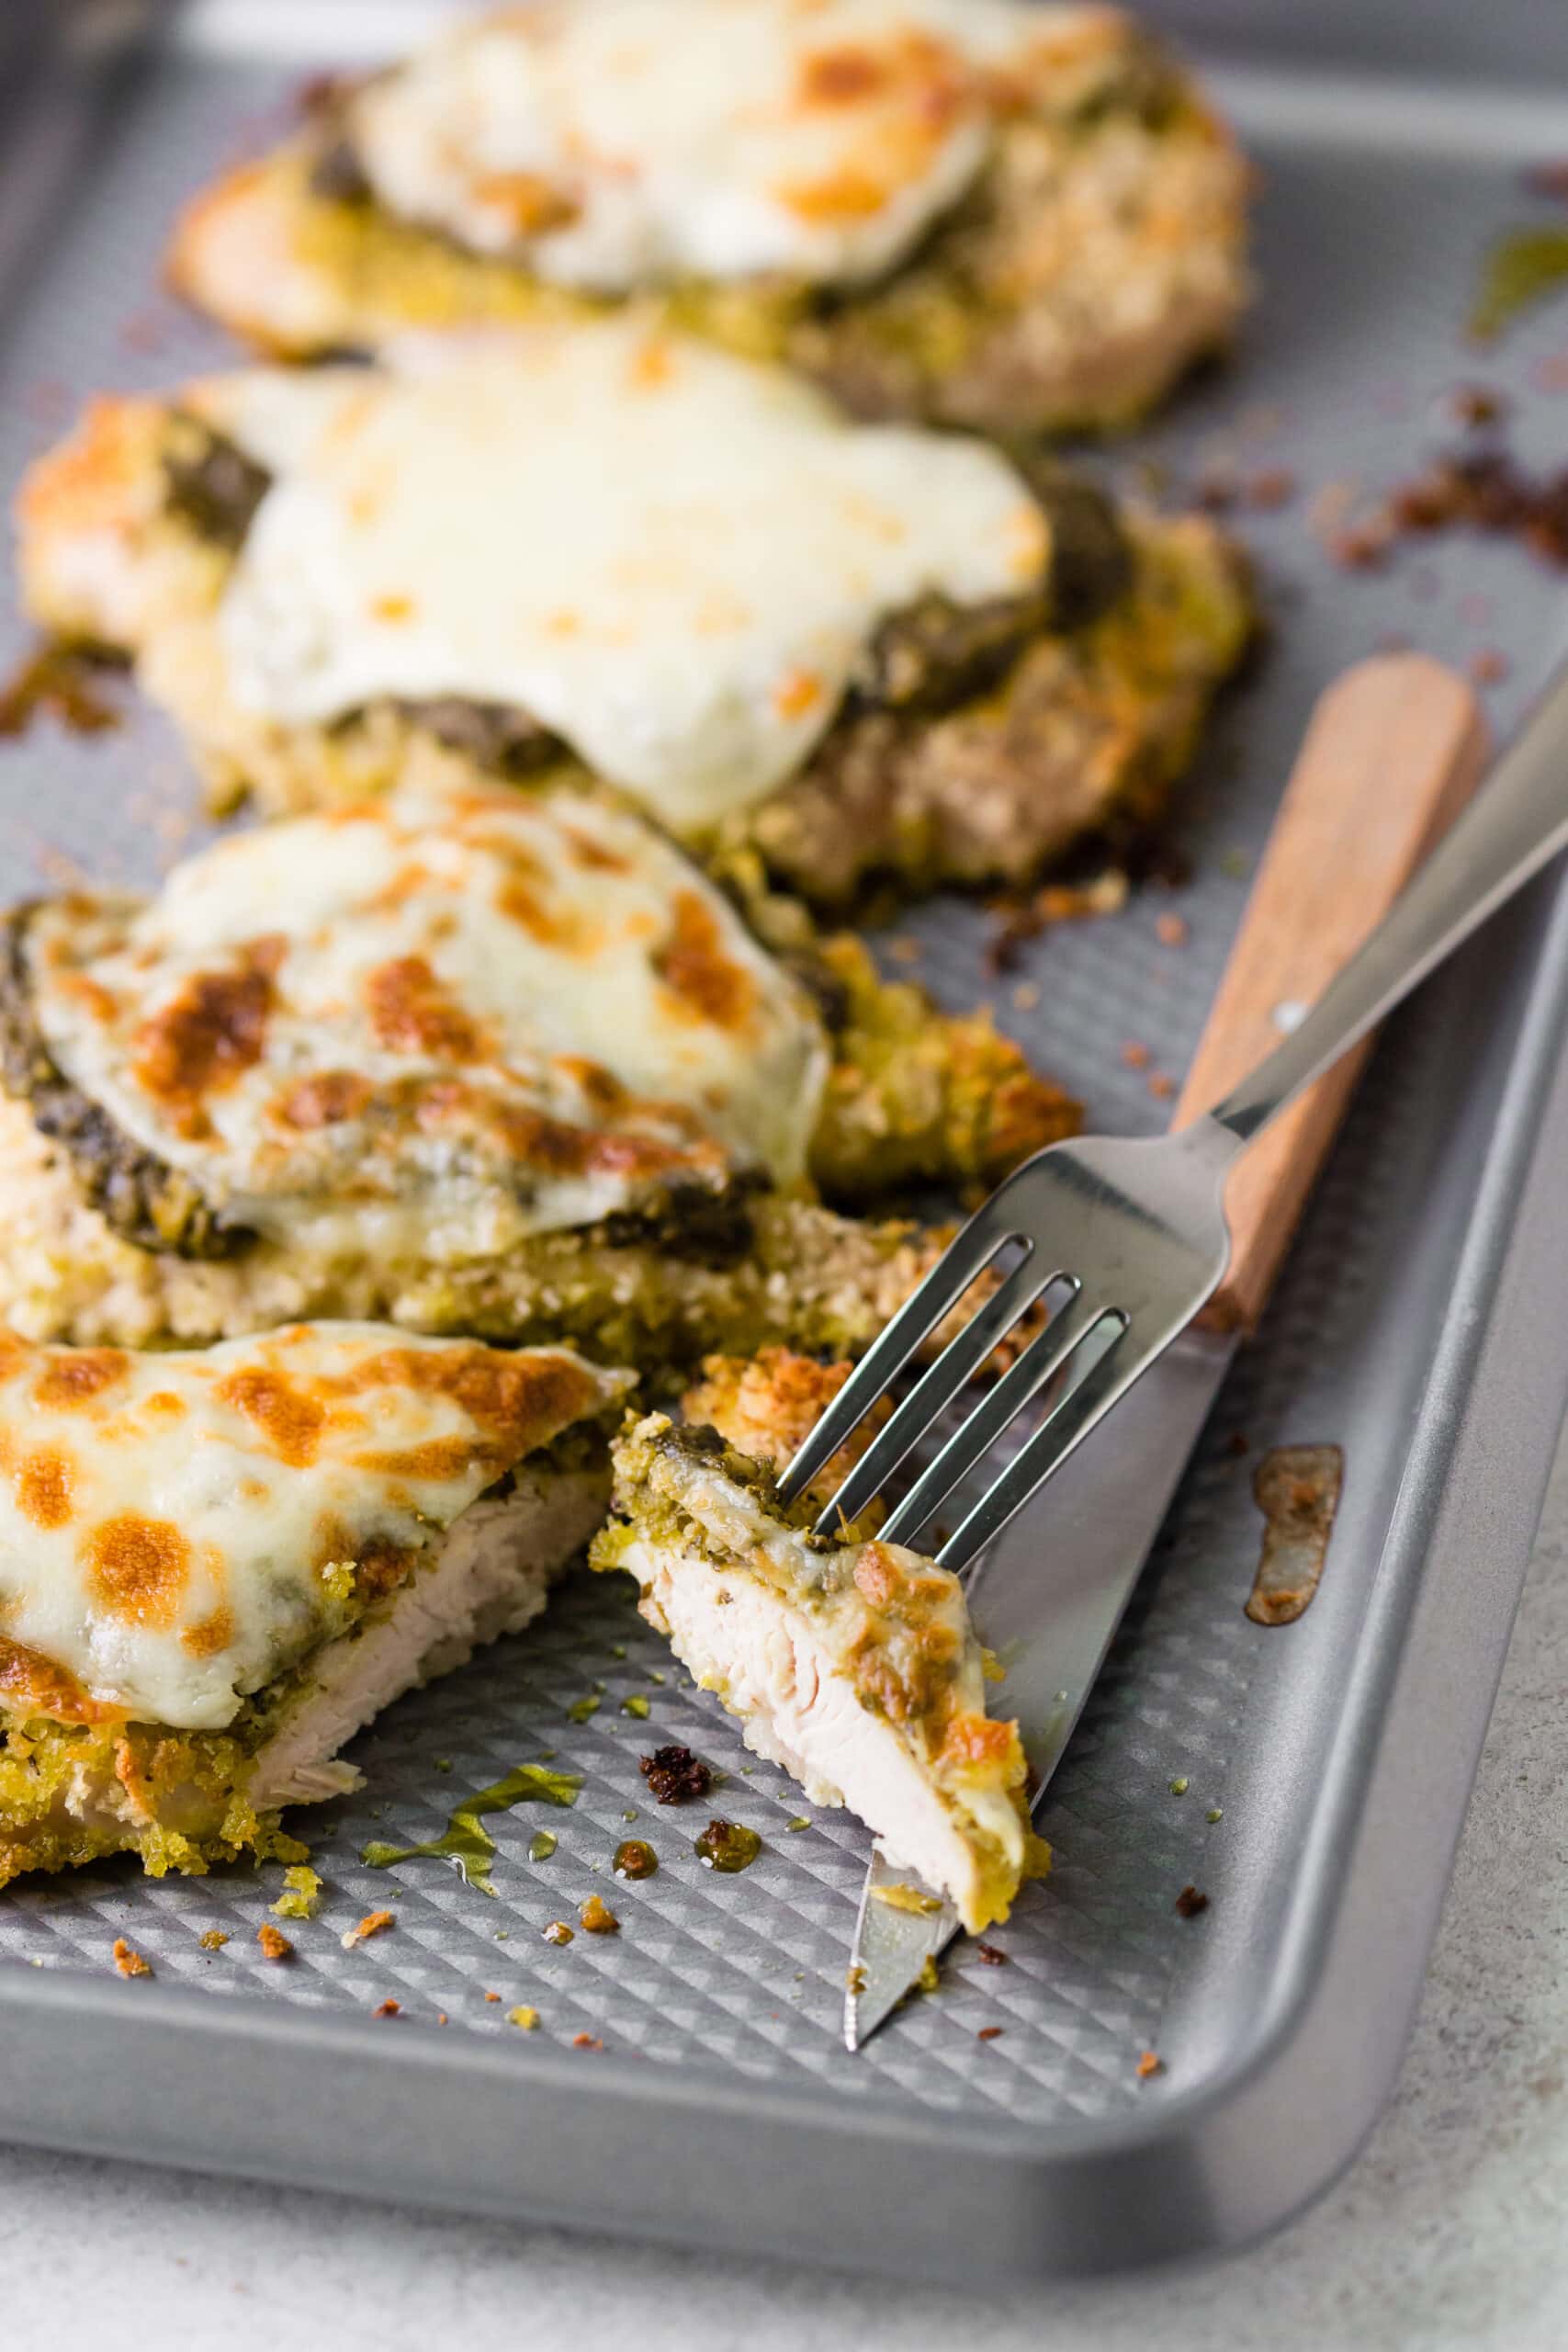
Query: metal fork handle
[1515, 826]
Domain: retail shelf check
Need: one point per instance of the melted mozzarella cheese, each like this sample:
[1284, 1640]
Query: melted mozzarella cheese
[434, 1024]
[176, 1530]
[615, 142]
[671, 557]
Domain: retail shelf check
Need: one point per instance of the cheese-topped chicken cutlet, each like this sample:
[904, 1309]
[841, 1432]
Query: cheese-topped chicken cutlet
[607, 552]
[986, 212]
[498, 1063]
[215, 1567]
[850, 1662]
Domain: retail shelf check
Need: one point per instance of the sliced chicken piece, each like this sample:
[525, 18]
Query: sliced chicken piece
[852, 1664]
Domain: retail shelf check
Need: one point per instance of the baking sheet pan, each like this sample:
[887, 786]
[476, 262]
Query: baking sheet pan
[1310, 1779]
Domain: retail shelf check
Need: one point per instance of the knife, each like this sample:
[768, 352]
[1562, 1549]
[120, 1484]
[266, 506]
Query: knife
[1394, 748]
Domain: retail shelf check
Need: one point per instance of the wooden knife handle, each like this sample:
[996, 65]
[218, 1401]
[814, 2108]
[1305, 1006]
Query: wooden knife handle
[1394, 750]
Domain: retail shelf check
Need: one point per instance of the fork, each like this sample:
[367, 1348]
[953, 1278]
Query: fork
[1126, 1239]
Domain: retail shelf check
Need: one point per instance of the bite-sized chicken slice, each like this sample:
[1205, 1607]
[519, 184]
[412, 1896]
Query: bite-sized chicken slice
[216, 1566]
[984, 212]
[852, 1663]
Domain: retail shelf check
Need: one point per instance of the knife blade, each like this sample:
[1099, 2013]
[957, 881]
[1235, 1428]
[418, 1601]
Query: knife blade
[1394, 748]
[1047, 1598]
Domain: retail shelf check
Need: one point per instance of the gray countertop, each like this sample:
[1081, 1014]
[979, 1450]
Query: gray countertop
[1452, 2230]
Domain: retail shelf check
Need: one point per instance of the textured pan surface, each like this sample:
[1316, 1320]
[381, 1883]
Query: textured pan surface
[1368, 263]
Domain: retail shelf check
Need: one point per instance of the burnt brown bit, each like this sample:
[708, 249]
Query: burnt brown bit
[210, 483]
[137, 1568]
[44, 1485]
[211, 1637]
[210, 1034]
[1474, 489]
[412, 1011]
[675, 1775]
[694, 968]
[1189, 1902]
[60, 681]
[325, 1101]
[992, 1957]
[990, 2034]
[73, 1378]
[287, 1416]
[31, 1684]
[1297, 1489]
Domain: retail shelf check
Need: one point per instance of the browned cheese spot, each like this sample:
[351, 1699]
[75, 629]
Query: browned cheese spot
[287, 1417]
[842, 76]
[520, 1401]
[693, 966]
[324, 1101]
[31, 1684]
[413, 1012]
[1297, 1489]
[137, 1568]
[45, 1486]
[211, 1637]
[437, 1463]
[212, 1032]
[73, 1378]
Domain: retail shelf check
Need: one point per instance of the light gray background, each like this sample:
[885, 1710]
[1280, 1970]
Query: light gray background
[1451, 2231]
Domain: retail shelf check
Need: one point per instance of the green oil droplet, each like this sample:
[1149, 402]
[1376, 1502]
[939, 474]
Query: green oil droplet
[617, 1649]
[1522, 269]
[1215, 1812]
[541, 1845]
[581, 1708]
[466, 1843]
[635, 1858]
[727, 1845]
[1178, 1788]
[636, 1705]
[801, 1821]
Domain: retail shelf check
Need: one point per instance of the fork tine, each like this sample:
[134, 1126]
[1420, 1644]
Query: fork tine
[1059, 1434]
[966, 1255]
[936, 1388]
[1044, 1356]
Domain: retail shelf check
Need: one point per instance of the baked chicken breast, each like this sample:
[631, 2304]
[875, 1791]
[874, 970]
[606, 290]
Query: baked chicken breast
[608, 555]
[490, 1062]
[216, 1566]
[983, 212]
